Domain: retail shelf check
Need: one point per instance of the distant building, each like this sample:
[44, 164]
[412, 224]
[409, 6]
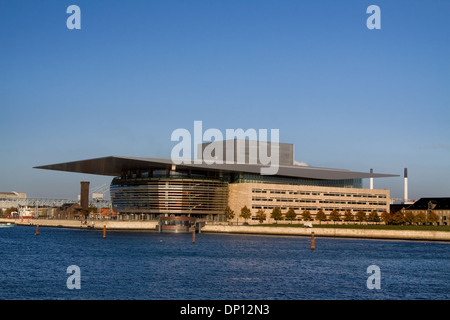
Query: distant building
[439, 206]
[69, 211]
[12, 199]
[12, 195]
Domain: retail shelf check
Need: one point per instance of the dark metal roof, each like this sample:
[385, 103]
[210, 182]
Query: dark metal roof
[114, 166]
[437, 204]
[398, 206]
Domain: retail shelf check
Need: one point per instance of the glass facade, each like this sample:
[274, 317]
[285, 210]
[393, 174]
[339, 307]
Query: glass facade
[239, 177]
[169, 196]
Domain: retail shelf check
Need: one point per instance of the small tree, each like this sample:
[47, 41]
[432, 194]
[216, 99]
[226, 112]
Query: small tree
[376, 218]
[229, 214]
[348, 216]
[386, 217]
[409, 217]
[420, 218]
[261, 215]
[320, 216]
[335, 216]
[306, 215]
[245, 213]
[433, 217]
[276, 214]
[361, 216]
[373, 216]
[92, 209]
[290, 214]
[398, 218]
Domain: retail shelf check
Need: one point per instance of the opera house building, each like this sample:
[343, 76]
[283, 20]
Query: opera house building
[159, 189]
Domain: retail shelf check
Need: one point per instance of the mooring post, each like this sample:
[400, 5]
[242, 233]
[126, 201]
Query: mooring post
[193, 236]
[37, 229]
[104, 231]
[313, 241]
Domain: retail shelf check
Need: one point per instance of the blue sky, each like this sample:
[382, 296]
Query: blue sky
[346, 96]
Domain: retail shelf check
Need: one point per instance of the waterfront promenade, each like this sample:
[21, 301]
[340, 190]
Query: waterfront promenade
[424, 235]
[91, 224]
[333, 232]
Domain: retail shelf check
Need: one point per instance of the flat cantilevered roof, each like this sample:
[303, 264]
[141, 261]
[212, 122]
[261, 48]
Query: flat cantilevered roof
[114, 166]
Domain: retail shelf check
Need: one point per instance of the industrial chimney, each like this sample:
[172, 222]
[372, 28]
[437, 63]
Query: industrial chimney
[406, 186]
[371, 179]
[84, 196]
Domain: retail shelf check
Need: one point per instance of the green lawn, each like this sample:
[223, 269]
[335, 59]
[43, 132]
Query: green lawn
[358, 226]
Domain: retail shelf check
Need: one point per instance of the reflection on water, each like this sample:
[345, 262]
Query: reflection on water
[143, 265]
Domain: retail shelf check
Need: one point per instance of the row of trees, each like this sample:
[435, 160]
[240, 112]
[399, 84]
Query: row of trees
[408, 217]
[395, 218]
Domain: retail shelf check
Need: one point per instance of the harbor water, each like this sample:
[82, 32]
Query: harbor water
[154, 266]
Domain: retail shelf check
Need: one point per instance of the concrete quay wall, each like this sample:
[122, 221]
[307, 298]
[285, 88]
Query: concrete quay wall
[333, 232]
[209, 228]
[95, 224]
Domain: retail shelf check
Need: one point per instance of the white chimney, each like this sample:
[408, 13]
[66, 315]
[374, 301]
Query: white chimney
[371, 179]
[406, 186]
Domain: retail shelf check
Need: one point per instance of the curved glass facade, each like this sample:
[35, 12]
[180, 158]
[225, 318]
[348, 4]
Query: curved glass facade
[169, 196]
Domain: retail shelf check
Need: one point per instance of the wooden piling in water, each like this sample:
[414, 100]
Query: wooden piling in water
[313, 241]
[193, 236]
[37, 229]
[104, 231]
